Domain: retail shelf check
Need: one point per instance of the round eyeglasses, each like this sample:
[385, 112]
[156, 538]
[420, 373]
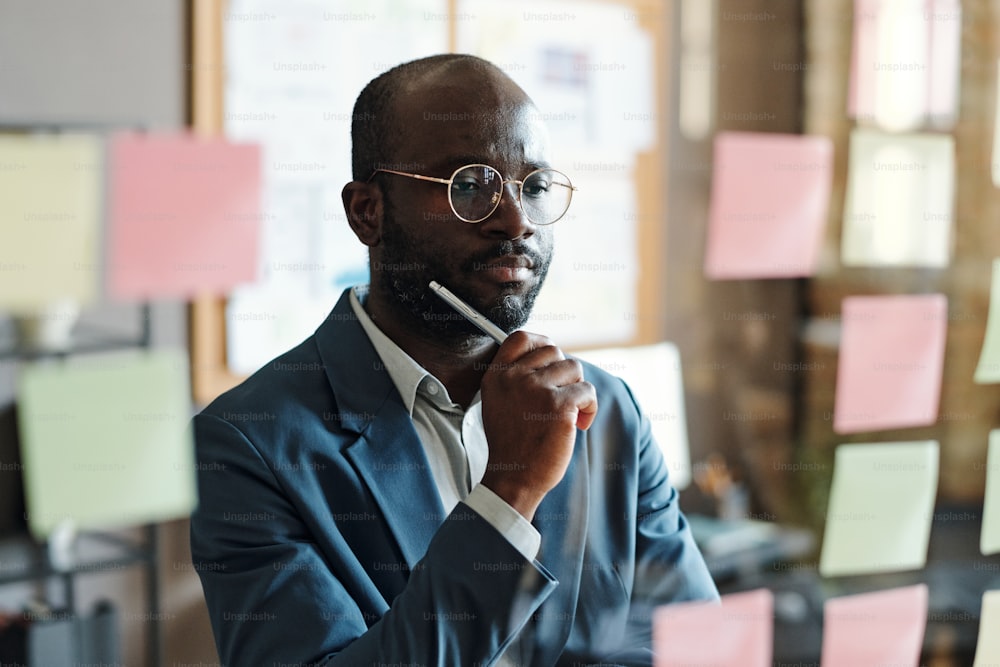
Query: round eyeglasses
[475, 191]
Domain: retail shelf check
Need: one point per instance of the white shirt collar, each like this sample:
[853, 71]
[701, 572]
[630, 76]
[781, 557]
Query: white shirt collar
[408, 376]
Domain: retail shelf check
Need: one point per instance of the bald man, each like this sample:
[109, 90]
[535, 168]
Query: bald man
[400, 489]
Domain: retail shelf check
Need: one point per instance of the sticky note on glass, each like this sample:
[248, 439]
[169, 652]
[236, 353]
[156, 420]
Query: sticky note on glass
[739, 632]
[988, 368]
[989, 539]
[901, 65]
[944, 18]
[881, 628]
[890, 363]
[653, 372]
[49, 220]
[880, 509]
[905, 63]
[185, 215]
[900, 195]
[105, 441]
[988, 645]
[864, 41]
[768, 206]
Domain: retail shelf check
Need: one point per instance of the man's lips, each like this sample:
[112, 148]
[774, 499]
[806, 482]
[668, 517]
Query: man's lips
[509, 268]
[512, 261]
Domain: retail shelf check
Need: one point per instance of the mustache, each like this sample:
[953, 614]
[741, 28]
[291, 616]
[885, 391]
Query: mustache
[505, 249]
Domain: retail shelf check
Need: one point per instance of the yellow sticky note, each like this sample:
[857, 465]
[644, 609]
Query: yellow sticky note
[50, 188]
[989, 539]
[106, 441]
[898, 209]
[988, 368]
[988, 646]
[881, 506]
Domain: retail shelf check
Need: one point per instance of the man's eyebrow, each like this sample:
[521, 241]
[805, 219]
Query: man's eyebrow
[542, 164]
[453, 162]
[456, 161]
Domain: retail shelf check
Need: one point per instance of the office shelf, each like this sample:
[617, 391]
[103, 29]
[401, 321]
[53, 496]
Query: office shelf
[25, 560]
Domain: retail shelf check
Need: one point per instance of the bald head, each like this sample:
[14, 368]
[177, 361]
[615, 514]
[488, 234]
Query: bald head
[426, 120]
[382, 110]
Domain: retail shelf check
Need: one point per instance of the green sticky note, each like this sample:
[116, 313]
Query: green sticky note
[898, 207]
[881, 507]
[989, 539]
[988, 369]
[988, 646]
[50, 187]
[105, 441]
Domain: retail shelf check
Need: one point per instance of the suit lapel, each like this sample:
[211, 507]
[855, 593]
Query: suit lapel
[388, 454]
[390, 459]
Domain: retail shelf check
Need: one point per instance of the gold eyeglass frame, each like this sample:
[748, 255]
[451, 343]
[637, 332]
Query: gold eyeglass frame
[497, 197]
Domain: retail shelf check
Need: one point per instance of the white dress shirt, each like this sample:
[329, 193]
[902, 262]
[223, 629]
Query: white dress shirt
[454, 442]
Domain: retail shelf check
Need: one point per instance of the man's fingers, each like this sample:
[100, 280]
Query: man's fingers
[519, 344]
[580, 397]
[560, 373]
[585, 417]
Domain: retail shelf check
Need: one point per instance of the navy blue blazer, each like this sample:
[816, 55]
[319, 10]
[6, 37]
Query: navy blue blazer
[320, 537]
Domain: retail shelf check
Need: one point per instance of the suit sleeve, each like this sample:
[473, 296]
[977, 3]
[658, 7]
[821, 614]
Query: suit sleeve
[273, 598]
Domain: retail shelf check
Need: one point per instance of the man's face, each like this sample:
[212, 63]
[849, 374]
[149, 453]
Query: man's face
[497, 265]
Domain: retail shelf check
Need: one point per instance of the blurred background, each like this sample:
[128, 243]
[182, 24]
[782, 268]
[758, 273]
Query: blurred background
[784, 238]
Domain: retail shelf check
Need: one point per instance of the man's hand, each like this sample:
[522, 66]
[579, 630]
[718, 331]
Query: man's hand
[534, 399]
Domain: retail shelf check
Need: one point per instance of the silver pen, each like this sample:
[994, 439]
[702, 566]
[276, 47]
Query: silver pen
[469, 313]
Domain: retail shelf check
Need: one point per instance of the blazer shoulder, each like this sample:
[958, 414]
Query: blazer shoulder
[606, 384]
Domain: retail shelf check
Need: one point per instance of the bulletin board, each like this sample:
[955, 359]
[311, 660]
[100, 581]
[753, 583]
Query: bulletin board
[607, 110]
[125, 69]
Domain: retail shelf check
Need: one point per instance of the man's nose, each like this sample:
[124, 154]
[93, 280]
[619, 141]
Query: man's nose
[508, 220]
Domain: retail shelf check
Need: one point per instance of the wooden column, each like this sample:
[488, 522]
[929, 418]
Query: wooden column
[738, 338]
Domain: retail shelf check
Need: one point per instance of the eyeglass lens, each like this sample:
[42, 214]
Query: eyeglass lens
[476, 191]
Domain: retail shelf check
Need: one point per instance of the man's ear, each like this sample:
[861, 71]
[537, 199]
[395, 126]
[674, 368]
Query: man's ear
[363, 205]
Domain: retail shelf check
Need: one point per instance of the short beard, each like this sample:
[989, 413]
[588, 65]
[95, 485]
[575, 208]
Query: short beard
[408, 264]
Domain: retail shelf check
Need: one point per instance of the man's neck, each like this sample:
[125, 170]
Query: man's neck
[459, 365]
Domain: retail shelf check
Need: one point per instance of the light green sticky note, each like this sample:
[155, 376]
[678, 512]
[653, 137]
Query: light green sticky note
[988, 369]
[50, 187]
[898, 208]
[989, 539]
[988, 646]
[881, 506]
[105, 441]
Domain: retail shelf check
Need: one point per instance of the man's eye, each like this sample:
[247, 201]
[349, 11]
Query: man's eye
[535, 188]
[464, 187]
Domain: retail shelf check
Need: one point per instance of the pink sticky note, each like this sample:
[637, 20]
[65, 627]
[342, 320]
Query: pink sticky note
[882, 628]
[891, 358]
[768, 207]
[945, 17]
[905, 63]
[185, 215]
[739, 632]
[864, 54]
